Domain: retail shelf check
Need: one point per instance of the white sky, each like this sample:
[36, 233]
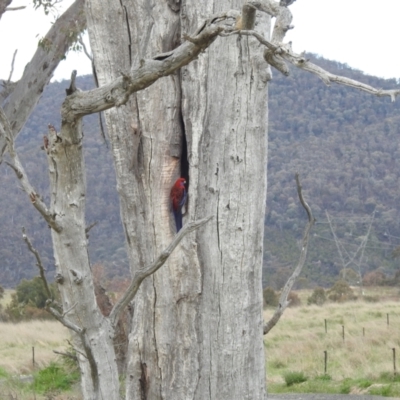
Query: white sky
[362, 33]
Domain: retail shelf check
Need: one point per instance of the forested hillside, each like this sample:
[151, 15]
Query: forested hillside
[343, 142]
[346, 146]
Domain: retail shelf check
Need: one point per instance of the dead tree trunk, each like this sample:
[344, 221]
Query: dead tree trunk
[92, 332]
[197, 323]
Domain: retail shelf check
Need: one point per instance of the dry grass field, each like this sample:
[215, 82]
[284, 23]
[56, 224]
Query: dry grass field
[361, 363]
[298, 342]
[17, 340]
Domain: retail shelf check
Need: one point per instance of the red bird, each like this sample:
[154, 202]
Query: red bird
[178, 198]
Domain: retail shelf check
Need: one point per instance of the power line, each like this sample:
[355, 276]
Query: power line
[354, 244]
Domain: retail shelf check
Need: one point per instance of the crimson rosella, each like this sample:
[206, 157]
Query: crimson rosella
[178, 198]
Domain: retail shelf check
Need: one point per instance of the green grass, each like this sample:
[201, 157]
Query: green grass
[360, 364]
[55, 381]
[54, 377]
[347, 386]
[294, 377]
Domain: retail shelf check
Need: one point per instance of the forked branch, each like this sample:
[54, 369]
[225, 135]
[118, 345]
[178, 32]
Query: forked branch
[140, 77]
[39, 263]
[22, 176]
[148, 270]
[283, 300]
[61, 318]
[148, 71]
[285, 52]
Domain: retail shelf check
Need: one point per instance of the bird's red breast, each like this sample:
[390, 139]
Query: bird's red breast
[178, 194]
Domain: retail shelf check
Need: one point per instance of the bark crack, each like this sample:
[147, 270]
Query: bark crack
[155, 335]
[219, 243]
[128, 28]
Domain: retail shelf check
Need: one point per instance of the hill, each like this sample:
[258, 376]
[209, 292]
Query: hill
[343, 143]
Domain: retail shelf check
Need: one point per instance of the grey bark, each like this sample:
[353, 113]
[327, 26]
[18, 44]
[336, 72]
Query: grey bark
[225, 116]
[39, 70]
[3, 5]
[189, 323]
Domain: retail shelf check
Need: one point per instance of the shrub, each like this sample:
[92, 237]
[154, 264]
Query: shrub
[302, 283]
[324, 377]
[293, 377]
[345, 387]
[374, 278]
[32, 291]
[364, 383]
[341, 291]
[317, 297]
[29, 300]
[394, 281]
[294, 299]
[371, 299]
[349, 275]
[271, 298]
[384, 391]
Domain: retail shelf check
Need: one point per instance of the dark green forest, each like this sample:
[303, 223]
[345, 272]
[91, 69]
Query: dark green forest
[344, 143]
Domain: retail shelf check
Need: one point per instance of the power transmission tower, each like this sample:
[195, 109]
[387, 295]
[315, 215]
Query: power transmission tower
[357, 257]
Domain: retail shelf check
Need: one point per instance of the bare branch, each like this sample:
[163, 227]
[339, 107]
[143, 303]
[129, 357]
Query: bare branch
[3, 6]
[85, 50]
[39, 263]
[22, 176]
[68, 310]
[285, 52]
[15, 8]
[140, 77]
[268, 6]
[280, 12]
[300, 62]
[77, 350]
[12, 65]
[72, 87]
[16, 170]
[29, 88]
[68, 355]
[143, 273]
[282, 25]
[63, 320]
[248, 17]
[8, 88]
[92, 225]
[283, 301]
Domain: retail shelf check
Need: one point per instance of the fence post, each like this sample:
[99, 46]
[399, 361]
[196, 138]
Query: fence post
[325, 361]
[394, 362]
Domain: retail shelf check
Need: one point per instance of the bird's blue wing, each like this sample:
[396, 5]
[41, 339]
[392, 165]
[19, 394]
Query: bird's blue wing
[183, 199]
[178, 219]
